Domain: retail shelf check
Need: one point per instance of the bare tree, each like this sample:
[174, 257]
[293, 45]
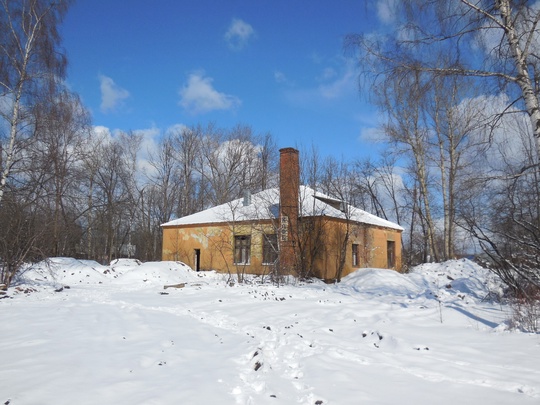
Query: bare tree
[231, 162]
[502, 209]
[455, 118]
[30, 64]
[186, 145]
[310, 166]
[379, 186]
[339, 182]
[39, 218]
[268, 164]
[159, 196]
[367, 183]
[114, 193]
[87, 174]
[429, 122]
[495, 41]
[311, 229]
[62, 126]
[23, 227]
[403, 99]
[495, 44]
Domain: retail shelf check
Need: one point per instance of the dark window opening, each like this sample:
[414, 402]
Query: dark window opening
[270, 248]
[197, 259]
[355, 255]
[242, 249]
[391, 254]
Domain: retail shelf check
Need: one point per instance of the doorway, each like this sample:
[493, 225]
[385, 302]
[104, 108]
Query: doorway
[197, 259]
[391, 254]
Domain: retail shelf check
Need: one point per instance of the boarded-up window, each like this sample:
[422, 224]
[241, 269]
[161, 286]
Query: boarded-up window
[242, 249]
[270, 248]
[355, 254]
[391, 254]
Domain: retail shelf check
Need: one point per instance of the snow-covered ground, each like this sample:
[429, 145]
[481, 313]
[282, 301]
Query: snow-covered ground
[116, 336]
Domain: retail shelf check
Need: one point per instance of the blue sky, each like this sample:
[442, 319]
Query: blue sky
[276, 65]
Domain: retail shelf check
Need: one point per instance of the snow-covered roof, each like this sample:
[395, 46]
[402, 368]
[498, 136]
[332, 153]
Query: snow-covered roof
[265, 205]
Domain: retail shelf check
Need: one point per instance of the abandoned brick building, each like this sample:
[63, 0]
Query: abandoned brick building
[294, 227]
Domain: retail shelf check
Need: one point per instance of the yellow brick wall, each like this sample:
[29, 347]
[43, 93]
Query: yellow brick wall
[216, 243]
[380, 238]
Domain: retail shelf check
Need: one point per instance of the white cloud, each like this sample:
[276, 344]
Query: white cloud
[148, 148]
[198, 96]
[316, 58]
[339, 86]
[102, 133]
[372, 135]
[507, 143]
[6, 106]
[176, 128]
[333, 84]
[149, 145]
[239, 34]
[112, 95]
[386, 11]
[149, 140]
[280, 77]
[328, 73]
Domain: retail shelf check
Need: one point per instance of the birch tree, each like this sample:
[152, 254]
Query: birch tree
[494, 41]
[62, 126]
[408, 131]
[454, 120]
[30, 63]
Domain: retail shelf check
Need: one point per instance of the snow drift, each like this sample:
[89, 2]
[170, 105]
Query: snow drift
[117, 336]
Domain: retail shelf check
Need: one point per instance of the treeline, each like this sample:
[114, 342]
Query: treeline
[69, 189]
[458, 168]
[458, 85]
[80, 192]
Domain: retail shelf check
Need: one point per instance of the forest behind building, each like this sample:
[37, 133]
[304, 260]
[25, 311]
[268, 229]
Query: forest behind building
[457, 88]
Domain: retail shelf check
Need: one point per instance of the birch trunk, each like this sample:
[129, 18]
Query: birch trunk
[520, 55]
[24, 30]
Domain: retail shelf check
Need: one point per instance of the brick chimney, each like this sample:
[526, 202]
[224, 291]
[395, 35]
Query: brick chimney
[289, 183]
